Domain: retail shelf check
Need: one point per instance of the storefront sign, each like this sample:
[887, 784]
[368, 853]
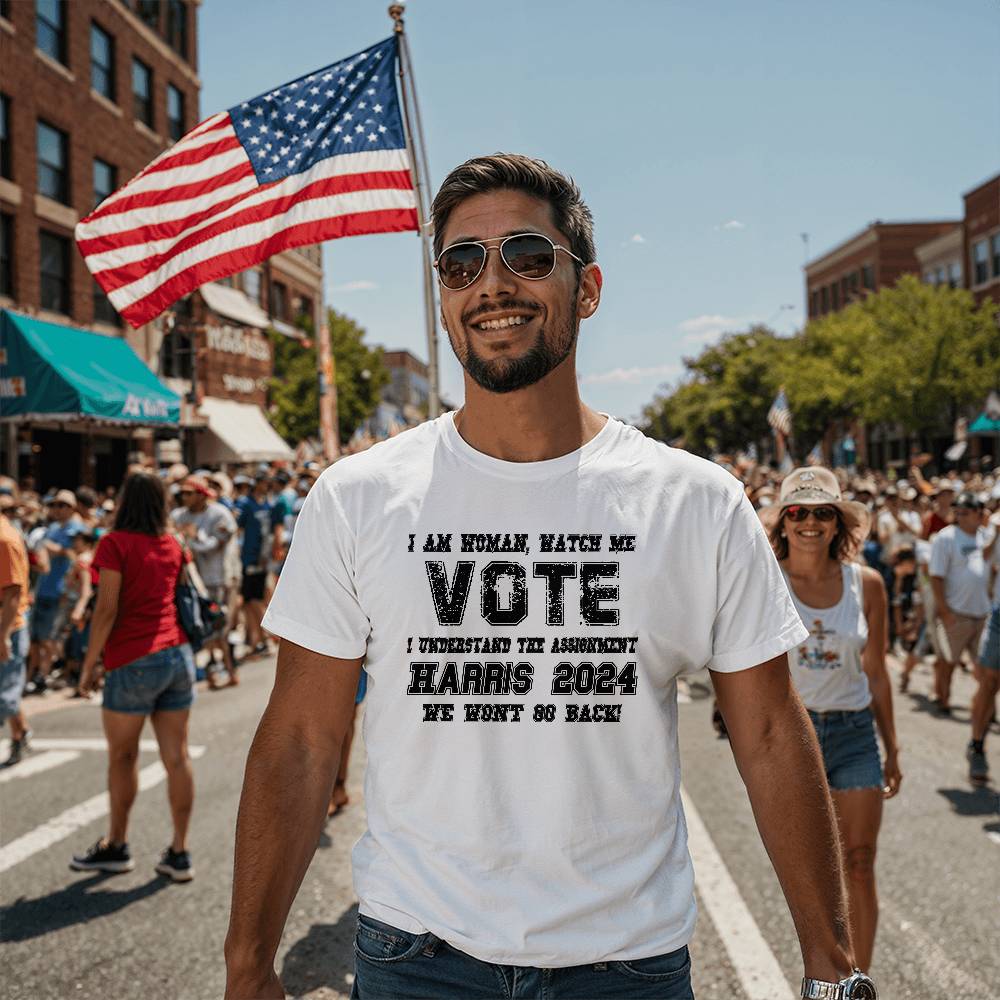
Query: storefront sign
[240, 342]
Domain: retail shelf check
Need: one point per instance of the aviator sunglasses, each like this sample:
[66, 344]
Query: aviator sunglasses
[798, 512]
[528, 255]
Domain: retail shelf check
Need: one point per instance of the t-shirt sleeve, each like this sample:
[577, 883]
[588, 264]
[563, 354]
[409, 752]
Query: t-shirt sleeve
[939, 555]
[109, 554]
[7, 578]
[755, 619]
[315, 602]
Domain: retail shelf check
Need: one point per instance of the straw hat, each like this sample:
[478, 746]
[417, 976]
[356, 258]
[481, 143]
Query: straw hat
[817, 487]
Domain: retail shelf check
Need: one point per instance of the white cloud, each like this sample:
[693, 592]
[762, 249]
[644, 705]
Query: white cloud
[702, 329]
[731, 224]
[631, 375]
[637, 238]
[355, 286]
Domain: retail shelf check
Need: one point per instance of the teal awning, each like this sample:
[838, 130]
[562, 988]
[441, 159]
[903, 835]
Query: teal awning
[985, 424]
[53, 372]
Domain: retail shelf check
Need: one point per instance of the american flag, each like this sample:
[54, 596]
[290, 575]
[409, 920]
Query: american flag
[780, 416]
[318, 158]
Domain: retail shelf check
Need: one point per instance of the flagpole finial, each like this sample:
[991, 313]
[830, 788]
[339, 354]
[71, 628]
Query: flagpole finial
[396, 11]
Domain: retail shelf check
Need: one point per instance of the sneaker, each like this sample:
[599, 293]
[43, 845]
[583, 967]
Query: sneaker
[104, 857]
[979, 770]
[18, 748]
[176, 865]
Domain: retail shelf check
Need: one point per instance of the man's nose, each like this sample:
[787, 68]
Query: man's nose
[497, 279]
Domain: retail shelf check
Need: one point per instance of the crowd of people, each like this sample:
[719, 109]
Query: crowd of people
[235, 531]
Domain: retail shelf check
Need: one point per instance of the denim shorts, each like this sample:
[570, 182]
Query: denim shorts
[391, 964]
[44, 614]
[989, 648]
[850, 750]
[160, 682]
[12, 673]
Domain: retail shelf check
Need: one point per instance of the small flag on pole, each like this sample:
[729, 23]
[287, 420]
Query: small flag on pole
[318, 158]
[780, 416]
[815, 457]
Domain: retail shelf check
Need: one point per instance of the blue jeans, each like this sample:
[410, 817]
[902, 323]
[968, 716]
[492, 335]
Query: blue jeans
[392, 964]
[850, 750]
[160, 682]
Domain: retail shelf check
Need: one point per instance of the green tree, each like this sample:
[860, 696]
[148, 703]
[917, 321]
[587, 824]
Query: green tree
[360, 377]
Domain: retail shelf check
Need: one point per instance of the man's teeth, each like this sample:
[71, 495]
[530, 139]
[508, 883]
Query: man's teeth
[502, 324]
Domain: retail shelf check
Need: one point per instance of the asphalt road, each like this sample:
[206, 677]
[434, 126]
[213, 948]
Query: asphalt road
[67, 934]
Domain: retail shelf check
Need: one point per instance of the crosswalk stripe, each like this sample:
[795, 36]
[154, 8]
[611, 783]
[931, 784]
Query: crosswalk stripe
[82, 743]
[34, 765]
[69, 821]
[752, 959]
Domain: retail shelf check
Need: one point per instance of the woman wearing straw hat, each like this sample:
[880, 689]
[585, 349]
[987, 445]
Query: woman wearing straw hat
[840, 669]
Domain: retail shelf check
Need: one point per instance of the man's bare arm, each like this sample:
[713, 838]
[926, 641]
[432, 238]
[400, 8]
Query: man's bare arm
[286, 789]
[779, 760]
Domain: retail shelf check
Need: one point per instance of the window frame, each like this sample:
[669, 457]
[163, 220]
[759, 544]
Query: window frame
[7, 276]
[109, 70]
[66, 279]
[171, 121]
[114, 179]
[994, 253]
[58, 30]
[176, 29]
[138, 102]
[103, 310]
[984, 244]
[63, 197]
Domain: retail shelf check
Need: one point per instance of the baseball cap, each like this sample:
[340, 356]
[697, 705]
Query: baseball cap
[968, 501]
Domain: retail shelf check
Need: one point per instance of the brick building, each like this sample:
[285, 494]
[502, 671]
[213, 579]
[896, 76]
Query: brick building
[872, 259]
[981, 240]
[90, 92]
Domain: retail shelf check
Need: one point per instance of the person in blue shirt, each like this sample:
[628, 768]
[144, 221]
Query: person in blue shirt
[262, 531]
[58, 545]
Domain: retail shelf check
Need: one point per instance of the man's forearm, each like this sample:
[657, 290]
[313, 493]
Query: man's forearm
[10, 598]
[786, 782]
[286, 791]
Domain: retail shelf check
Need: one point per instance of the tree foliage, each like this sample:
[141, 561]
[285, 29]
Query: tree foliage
[360, 375]
[913, 355]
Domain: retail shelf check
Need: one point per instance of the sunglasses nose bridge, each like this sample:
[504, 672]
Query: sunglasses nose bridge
[495, 275]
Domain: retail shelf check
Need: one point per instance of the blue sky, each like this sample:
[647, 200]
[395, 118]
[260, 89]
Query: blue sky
[706, 135]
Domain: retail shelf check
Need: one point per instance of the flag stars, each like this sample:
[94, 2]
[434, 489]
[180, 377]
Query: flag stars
[382, 129]
[300, 104]
[372, 137]
[348, 139]
[263, 129]
[290, 117]
[258, 111]
[303, 123]
[255, 139]
[326, 77]
[362, 106]
[279, 134]
[337, 128]
[314, 90]
[377, 109]
[330, 93]
[245, 123]
[360, 128]
[370, 91]
[314, 108]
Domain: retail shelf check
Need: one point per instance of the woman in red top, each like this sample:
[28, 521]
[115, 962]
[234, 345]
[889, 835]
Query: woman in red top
[149, 670]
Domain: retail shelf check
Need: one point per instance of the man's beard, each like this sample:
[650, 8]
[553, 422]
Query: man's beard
[510, 374]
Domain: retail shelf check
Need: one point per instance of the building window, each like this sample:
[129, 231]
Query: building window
[304, 311]
[868, 277]
[53, 170]
[175, 112]
[175, 355]
[54, 255]
[824, 299]
[149, 13]
[177, 27]
[105, 180]
[980, 262]
[104, 311]
[955, 274]
[813, 303]
[279, 300]
[6, 254]
[251, 285]
[142, 91]
[5, 142]
[835, 296]
[102, 62]
[995, 245]
[852, 284]
[50, 28]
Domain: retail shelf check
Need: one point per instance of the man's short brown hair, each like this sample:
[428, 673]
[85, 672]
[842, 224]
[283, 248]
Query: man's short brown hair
[514, 172]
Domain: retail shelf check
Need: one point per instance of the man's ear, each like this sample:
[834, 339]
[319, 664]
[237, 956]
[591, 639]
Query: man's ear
[588, 296]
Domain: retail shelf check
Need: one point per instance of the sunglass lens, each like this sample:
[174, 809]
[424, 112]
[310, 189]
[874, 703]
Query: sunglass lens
[460, 265]
[530, 256]
[824, 513]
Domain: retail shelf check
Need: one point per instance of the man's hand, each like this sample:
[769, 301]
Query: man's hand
[947, 616]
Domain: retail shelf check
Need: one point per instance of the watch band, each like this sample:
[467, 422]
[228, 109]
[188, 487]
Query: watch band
[816, 989]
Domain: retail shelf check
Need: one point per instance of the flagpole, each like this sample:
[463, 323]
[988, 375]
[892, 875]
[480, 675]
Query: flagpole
[421, 177]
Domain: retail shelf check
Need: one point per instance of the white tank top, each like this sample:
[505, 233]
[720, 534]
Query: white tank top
[826, 668]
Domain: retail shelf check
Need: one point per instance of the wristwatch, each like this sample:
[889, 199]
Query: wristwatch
[856, 986]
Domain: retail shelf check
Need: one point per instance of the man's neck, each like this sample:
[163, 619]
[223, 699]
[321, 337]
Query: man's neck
[543, 421]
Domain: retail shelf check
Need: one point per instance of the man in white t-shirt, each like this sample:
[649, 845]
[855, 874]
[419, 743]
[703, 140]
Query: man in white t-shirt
[525, 580]
[899, 527]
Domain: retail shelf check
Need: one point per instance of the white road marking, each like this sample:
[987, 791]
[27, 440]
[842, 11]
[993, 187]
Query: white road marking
[33, 765]
[752, 959]
[83, 743]
[68, 822]
[994, 836]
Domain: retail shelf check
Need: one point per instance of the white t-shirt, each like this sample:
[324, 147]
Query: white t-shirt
[556, 837]
[892, 536]
[957, 557]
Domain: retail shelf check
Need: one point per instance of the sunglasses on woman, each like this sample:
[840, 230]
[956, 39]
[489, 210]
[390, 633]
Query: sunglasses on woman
[528, 255]
[799, 512]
